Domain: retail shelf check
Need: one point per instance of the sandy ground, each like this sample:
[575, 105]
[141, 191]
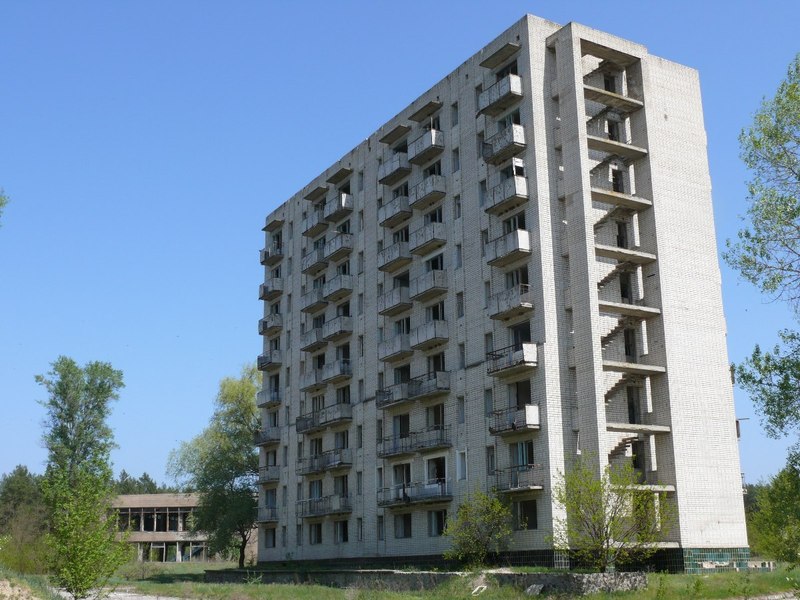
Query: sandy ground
[9, 592]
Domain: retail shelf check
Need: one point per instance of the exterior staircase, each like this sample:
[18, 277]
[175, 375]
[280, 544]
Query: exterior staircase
[621, 448]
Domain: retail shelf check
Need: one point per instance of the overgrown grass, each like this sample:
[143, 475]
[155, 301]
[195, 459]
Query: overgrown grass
[37, 584]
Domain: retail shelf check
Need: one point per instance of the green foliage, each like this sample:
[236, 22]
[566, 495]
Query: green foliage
[221, 464]
[777, 519]
[19, 489]
[608, 520]
[482, 526]
[127, 484]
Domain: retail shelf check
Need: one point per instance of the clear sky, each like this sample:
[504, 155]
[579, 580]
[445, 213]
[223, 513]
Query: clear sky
[143, 143]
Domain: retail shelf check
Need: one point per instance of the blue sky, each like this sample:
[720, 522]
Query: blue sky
[143, 143]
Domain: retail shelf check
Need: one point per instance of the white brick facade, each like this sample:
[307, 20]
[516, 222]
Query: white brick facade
[519, 266]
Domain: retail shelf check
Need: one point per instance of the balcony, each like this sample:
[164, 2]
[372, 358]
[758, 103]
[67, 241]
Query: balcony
[420, 492]
[394, 301]
[271, 255]
[511, 421]
[609, 196]
[426, 147]
[427, 238]
[270, 289]
[394, 212]
[327, 461]
[432, 438]
[396, 348]
[271, 324]
[624, 150]
[504, 144]
[326, 417]
[314, 261]
[338, 247]
[273, 224]
[321, 507]
[429, 385]
[313, 300]
[337, 328]
[428, 286]
[311, 380]
[337, 288]
[620, 103]
[512, 302]
[267, 514]
[338, 370]
[619, 254]
[338, 207]
[512, 360]
[394, 257]
[394, 169]
[523, 478]
[269, 474]
[314, 223]
[506, 196]
[268, 398]
[267, 437]
[429, 335]
[394, 395]
[510, 248]
[431, 189]
[312, 340]
[270, 360]
[500, 96]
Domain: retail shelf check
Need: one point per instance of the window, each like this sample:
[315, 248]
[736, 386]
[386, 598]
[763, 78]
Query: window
[341, 439]
[517, 277]
[456, 161]
[315, 489]
[622, 234]
[508, 120]
[436, 522]
[359, 482]
[433, 216]
[341, 486]
[509, 69]
[435, 264]
[269, 538]
[491, 464]
[514, 223]
[380, 529]
[436, 363]
[360, 529]
[360, 304]
[315, 533]
[461, 410]
[487, 293]
[360, 262]
[360, 179]
[480, 145]
[436, 470]
[482, 192]
[460, 304]
[434, 416]
[488, 343]
[461, 465]
[400, 191]
[454, 114]
[401, 235]
[343, 395]
[484, 241]
[402, 526]
[434, 312]
[361, 345]
[431, 170]
[402, 326]
[525, 515]
[361, 391]
[462, 356]
[617, 184]
[458, 258]
[315, 447]
[340, 535]
[457, 207]
[521, 453]
[298, 533]
[359, 436]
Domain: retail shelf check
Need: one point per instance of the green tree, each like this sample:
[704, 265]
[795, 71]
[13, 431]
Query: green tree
[19, 489]
[221, 464]
[127, 484]
[609, 520]
[481, 527]
[767, 250]
[23, 522]
[777, 519]
[77, 484]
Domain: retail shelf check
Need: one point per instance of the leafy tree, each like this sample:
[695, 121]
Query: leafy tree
[777, 520]
[609, 520]
[23, 522]
[482, 526]
[127, 484]
[221, 464]
[767, 251]
[19, 489]
[77, 484]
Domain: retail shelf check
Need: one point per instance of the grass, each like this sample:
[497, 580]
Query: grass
[185, 580]
[37, 584]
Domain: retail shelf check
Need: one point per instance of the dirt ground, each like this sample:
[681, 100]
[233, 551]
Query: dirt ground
[14, 592]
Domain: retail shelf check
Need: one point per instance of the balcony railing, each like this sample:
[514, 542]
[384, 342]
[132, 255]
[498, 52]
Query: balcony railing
[504, 144]
[394, 212]
[425, 147]
[267, 514]
[515, 420]
[311, 380]
[338, 370]
[511, 247]
[338, 287]
[313, 261]
[501, 95]
[271, 324]
[506, 196]
[416, 441]
[395, 348]
[428, 286]
[428, 191]
[313, 300]
[339, 246]
[314, 223]
[391, 395]
[434, 490]
[395, 256]
[267, 437]
[320, 507]
[394, 301]
[522, 478]
[269, 360]
[312, 340]
[511, 359]
[330, 415]
[429, 335]
[270, 289]
[429, 385]
[332, 459]
[427, 238]
[269, 474]
[337, 328]
[272, 254]
[511, 302]
[338, 207]
[394, 169]
[268, 398]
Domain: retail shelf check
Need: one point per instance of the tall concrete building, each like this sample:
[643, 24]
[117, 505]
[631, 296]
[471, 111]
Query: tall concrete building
[518, 268]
